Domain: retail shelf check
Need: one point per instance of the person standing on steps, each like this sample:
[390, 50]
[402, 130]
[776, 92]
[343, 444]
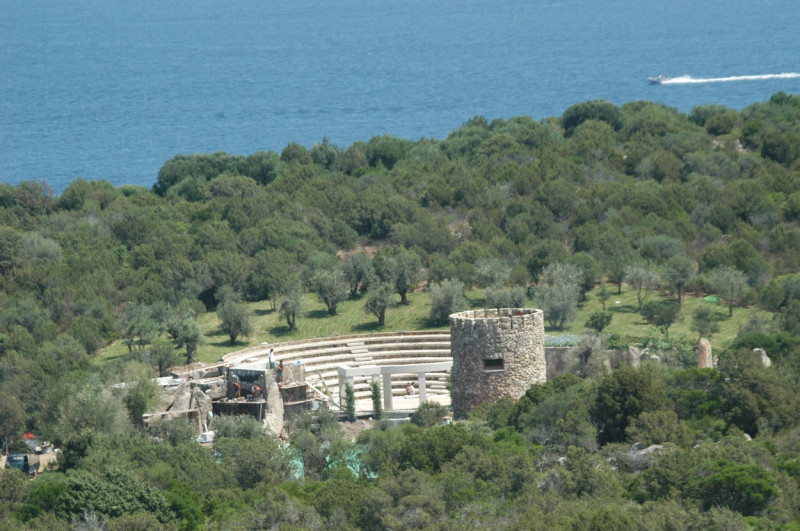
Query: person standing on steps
[271, 359]
[279, 373]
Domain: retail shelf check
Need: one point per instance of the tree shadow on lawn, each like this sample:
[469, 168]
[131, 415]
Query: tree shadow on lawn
[371, 326]
[266, 311]
[424, 323]
[562, 331]
[281, 331]
[227, 343]
[719, 316]
[318, 314]
[622, 308]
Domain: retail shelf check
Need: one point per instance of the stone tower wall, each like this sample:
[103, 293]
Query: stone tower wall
[495, 355]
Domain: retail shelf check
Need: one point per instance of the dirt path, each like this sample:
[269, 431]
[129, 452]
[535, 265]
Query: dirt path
[352, 429]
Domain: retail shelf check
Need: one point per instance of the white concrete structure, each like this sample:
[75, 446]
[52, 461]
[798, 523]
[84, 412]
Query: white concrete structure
[348, 374]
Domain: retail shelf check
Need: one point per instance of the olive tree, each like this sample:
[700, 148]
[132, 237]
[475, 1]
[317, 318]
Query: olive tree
[704, 321]
[729, 283]
[137, 326]
[190, 336]
[680, 272]
[603, 294]
[643, 279]
[358, 272]
[447, 298]
[331, 287]
[378, 299]
[598, 321]
[400, 268]
[271, 272]
[291, 305]
[162, 356]
[502, 297]
[492, 272]
[661, 313]
[558, 292]
[234, 318]
[91, 408]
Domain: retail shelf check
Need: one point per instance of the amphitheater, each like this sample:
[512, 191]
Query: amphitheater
[499, 354]
[398, 355]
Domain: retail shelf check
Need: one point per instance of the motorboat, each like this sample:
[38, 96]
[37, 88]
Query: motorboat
[656, 80]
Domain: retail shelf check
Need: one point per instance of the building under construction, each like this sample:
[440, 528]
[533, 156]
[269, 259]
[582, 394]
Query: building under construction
[271, 396]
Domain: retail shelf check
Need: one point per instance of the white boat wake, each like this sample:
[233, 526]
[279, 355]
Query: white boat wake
[689, 80]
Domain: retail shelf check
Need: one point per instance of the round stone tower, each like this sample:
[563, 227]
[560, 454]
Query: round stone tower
[496, 354]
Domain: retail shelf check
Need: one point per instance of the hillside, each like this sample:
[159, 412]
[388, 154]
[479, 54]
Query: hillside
[653, 208]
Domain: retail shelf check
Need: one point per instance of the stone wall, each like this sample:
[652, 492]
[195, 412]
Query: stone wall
[495, 355]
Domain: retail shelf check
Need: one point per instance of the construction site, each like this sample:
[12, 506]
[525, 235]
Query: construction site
[495, 353]
[410, 367]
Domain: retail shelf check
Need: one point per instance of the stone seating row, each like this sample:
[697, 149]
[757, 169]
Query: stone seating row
[329, 355]
[397, 358]
[293, 349]
[321, 357]
[330, 376]
[329, 351]
[339, 352]
[307, 354]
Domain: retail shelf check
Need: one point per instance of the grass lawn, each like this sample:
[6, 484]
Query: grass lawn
[352, 319]
[626, 321]
[315, 322]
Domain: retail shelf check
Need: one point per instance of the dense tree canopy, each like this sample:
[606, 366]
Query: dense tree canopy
[639, 194]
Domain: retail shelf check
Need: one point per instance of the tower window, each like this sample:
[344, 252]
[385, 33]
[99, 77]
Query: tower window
[494, 364]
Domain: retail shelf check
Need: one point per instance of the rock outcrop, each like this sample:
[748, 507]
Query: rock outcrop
[704, 358]
[273, 419]
[762, 356]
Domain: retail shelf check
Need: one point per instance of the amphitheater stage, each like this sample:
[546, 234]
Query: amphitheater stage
[403, 405]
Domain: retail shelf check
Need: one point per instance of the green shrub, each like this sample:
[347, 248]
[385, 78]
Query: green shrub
[350, 400]
[377, 405]
[429, 414]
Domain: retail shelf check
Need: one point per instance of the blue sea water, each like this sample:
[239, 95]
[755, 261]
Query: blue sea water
[111, 90]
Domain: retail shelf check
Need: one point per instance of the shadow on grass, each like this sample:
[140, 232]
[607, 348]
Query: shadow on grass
[267, 311]
[555, 330]
[227, 343]
[718, 315]
[622, 308]
[318, 314]
[280, 331]
[371, 326]
[424, 323]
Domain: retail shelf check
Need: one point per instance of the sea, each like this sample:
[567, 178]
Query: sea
[111, 90]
